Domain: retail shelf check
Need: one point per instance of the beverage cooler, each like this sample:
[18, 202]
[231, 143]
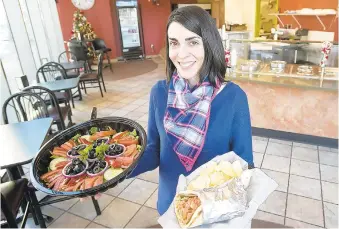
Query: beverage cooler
[130, 28]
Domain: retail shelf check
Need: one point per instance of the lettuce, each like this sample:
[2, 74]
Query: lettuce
[100, 151]
[93, 130]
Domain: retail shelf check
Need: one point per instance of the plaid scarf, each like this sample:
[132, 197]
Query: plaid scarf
[187, 117]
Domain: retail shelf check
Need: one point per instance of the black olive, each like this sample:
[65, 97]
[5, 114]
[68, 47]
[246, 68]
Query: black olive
[102, 164]
[96, 169]
[91, 154]
[69, 170]
[119, 149]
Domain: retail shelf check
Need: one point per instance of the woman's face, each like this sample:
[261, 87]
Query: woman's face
[186, 51]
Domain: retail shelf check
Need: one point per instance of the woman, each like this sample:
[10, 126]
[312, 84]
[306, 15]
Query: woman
[194, 115]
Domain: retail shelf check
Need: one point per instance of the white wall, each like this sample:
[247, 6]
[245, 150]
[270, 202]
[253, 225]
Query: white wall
[241, 11]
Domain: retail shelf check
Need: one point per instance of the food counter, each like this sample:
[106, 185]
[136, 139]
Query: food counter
[293, 98]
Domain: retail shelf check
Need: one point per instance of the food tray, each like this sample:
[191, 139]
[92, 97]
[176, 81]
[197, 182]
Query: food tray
[41, 161]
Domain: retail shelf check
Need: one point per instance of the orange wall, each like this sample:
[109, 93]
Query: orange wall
[104, 22]
[310, 22]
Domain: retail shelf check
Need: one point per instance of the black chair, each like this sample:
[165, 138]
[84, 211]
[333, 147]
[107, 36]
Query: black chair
[90, 78]
[53, 71]
[58, 113]
[26, 106]
[79, 49]
[69, 75]
[69, 57]
[13, 193]
[99, 45]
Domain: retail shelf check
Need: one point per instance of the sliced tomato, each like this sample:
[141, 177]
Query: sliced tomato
[125, 161]
[116, 164]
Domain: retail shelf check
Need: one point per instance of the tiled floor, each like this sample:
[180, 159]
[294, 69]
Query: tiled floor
[307, 174]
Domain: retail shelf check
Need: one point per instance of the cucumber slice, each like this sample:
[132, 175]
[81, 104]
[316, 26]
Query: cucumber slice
[111, 173]
[55, 161]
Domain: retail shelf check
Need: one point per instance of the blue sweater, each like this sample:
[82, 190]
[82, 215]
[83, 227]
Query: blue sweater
[229, 129]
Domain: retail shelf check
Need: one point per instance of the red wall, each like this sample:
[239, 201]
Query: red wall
[104, 23]
[310, 22]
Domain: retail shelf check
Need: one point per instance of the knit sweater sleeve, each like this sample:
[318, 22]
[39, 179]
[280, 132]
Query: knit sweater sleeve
[241, 140]
[151, 158]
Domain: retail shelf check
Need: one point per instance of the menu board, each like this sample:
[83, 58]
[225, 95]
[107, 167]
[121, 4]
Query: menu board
[128, 18]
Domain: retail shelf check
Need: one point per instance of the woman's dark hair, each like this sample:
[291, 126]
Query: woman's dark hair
[198, 21]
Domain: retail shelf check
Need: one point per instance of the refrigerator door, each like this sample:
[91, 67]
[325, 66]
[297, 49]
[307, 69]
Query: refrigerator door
[128, 18]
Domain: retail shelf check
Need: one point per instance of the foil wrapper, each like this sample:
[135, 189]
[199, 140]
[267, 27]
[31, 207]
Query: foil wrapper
[224, 202]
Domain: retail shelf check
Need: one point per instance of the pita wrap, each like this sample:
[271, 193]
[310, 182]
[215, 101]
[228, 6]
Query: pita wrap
[193, 216]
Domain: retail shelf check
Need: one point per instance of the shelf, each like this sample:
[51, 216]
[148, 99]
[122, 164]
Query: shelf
[298, 14]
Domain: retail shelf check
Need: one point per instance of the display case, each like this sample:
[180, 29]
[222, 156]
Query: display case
[289, 63]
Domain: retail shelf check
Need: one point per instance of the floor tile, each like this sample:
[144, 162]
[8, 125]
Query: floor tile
[323, 148]
[119, 113]
[334, 150]
[304, 168]
[298, 224]
[119, 188]
[130, 107]
[53, 212]
[259, 138]
[259, 146]
[310, 146]
[152, 176]
[330, 192]
[134, 115]
[269, 217]
[258, 157]
[280, 141]
[305, 209]
[328, 158]
[139, 101]
[280, 178]
[40, 195]
[278, 149]
[306, 187]
[331, 215]
[65, 205]
[143, 108]
[118, 213]
[86, 208]
[95, 225]
[152, 201]
[145, 218]
[305, 154]
[280, 164]
[275, 203]
[329, 173]
[69, 220]
[143, 118]
[138, 191]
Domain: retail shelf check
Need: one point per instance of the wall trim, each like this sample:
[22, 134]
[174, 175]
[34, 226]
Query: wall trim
[302, 138]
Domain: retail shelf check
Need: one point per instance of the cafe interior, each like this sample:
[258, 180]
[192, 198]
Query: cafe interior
[76, 75]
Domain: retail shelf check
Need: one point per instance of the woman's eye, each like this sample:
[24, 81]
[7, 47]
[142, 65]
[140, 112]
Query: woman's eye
[173, 43]
[192, 43]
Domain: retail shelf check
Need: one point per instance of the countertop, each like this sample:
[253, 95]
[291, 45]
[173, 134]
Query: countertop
[328, 85]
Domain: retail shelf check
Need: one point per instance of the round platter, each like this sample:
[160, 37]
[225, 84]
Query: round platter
[41, 162]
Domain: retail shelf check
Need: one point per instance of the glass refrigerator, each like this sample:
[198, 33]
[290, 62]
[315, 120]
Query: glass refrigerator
[130, 29]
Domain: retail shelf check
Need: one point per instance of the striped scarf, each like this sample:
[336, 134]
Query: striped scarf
[187, 117]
